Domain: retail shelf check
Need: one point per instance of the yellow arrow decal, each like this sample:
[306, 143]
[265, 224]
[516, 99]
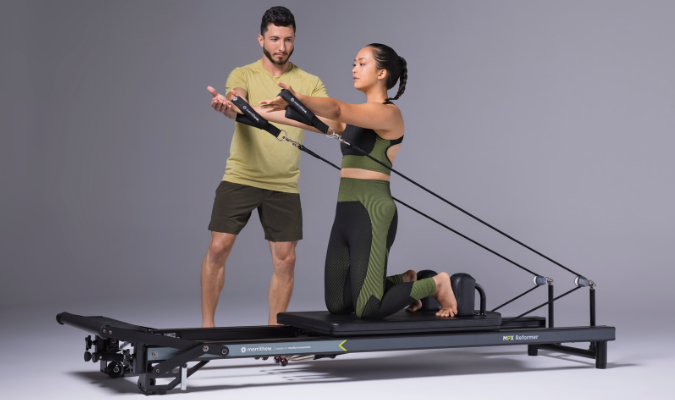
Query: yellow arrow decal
[343, 347]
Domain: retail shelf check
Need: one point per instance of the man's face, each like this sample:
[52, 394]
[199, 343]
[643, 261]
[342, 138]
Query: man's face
[277, 43]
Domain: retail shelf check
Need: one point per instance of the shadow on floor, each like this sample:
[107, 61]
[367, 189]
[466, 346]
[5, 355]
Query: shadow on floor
[399, 365]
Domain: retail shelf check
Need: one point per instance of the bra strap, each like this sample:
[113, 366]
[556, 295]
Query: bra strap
[396, 141]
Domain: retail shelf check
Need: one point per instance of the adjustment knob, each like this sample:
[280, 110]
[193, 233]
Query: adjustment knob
[87, 356]
[88, 342]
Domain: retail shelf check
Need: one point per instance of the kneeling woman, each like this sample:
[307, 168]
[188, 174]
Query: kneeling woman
[366, 218]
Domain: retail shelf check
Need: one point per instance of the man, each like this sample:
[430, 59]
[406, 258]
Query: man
[261, 172]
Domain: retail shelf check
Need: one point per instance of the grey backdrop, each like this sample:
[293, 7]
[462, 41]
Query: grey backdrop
[552, 120]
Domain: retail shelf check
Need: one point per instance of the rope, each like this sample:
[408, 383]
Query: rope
[313, 154]
[458, 208]
[516, 298]
[540, 306]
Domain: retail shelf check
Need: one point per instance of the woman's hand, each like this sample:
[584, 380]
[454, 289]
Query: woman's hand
[278, 104]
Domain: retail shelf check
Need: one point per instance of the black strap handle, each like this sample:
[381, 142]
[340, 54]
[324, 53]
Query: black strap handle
[291, 113]
[303, 111]
[250, 117]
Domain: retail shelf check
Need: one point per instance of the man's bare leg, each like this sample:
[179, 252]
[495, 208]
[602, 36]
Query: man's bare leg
[213, 274]
[281, 285]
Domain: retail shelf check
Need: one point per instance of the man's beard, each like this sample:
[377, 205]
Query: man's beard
[282, 61]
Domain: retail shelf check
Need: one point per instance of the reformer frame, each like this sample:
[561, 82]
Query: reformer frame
[164, 353]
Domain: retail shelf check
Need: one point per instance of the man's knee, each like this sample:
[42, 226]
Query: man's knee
[221, 244]
[284, 257]
[284, 251]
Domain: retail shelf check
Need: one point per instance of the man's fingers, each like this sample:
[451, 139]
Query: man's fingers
[218, 105]
[212, 90]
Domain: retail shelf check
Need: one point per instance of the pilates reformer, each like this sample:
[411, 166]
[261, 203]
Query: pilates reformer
[121, 348]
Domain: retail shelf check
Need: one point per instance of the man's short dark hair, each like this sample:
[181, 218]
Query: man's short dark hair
[279, 16]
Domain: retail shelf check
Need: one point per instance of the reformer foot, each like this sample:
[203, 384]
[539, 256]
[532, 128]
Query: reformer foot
[445, 296]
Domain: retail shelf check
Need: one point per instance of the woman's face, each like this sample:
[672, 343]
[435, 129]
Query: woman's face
[365, 72]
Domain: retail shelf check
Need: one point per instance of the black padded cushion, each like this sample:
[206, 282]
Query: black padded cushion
[402, 322]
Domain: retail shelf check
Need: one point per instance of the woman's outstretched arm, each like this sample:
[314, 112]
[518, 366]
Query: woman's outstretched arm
[376, 116]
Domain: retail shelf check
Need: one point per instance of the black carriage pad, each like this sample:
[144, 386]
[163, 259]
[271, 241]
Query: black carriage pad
[402, 322]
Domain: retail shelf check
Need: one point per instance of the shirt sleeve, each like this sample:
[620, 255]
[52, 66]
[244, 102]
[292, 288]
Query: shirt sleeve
[237, 79]
[319, 89]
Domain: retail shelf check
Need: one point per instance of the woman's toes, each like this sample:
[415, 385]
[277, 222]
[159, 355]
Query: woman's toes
[445, 312]
[414, 306]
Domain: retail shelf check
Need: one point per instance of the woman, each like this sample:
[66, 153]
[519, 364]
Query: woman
[366, 218]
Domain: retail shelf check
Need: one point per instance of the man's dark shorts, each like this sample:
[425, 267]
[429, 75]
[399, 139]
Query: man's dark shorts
[280, 212]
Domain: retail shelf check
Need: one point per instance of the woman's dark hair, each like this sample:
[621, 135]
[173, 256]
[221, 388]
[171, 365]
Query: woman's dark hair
[279, 16]
[397, 67]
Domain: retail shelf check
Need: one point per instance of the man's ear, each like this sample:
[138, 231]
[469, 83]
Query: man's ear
[261, 40]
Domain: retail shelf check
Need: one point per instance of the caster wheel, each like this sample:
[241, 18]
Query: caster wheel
[265, 358]
[281, 360]
[115, 369]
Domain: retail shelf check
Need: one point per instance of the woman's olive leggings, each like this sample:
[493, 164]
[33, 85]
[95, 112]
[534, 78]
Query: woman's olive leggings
[356, 262]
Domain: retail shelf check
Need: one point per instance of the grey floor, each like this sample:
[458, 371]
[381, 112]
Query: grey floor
[41, 359]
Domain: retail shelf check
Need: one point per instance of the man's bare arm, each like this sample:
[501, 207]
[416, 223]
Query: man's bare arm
[237, 92]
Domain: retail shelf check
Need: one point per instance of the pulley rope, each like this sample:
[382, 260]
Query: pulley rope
[310, 152]
[310, 119]
[540, 306]
[458, 208]
[304, 115]
[515, 298]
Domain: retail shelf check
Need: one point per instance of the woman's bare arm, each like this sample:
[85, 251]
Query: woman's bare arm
[279, 117]
[377, 116]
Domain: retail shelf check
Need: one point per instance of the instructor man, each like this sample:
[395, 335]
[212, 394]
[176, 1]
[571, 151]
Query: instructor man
[260, 172]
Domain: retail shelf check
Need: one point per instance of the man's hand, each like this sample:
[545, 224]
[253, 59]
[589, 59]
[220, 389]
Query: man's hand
[278, 104]
[222, 105]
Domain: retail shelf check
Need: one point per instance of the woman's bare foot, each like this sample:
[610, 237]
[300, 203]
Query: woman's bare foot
[411, 276]
[414, 306]
[445, 296]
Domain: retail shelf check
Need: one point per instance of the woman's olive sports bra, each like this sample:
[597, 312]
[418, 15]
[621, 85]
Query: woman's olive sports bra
[370, 142]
